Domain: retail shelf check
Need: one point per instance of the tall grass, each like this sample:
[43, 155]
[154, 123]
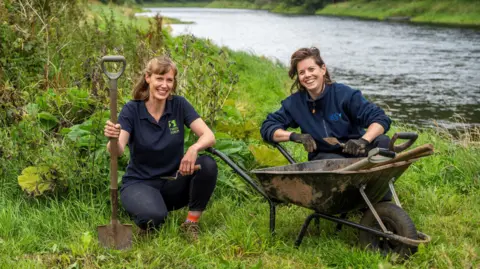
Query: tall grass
[441, 192]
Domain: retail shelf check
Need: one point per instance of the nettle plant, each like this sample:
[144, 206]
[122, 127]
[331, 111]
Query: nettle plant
[206, 77]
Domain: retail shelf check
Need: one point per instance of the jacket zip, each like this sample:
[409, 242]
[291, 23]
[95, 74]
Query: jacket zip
[325, 126]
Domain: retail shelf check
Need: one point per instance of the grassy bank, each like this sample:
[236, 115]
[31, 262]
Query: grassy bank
[176, 4]
[56, 119]
[459, 12]
[208, 4]
[270, 6]
[125, 14]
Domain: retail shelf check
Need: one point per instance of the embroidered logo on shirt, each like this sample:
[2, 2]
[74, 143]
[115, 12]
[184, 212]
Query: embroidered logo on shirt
[172, 125]
[335, 116]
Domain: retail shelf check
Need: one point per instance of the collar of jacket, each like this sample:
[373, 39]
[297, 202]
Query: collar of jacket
[324, 93]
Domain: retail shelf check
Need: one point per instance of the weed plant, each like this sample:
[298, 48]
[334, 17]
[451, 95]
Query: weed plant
[53, 107]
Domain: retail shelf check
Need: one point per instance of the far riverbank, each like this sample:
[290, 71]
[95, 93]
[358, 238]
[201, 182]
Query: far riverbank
[462, 13]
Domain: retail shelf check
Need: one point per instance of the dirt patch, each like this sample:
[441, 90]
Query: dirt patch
[294, 190]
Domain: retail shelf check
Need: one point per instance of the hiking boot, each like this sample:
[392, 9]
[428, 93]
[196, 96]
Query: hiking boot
[190, 230]
[143, 233]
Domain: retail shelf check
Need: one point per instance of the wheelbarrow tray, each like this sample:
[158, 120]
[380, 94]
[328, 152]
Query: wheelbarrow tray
[315, 184]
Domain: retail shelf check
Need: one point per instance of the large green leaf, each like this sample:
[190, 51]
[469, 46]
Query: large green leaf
[31, 109]
[36, 180]
[229, 146]
[88, 133]
[47, 120]
[237, 150]
[266, 156]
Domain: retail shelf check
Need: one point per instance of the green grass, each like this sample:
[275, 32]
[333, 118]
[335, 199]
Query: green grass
[284, 9]
[261, 82]
[459, 12]
[207, 4]
[125, 15]
[50, 233]
[212, 4]
[441, 193]
[176, 4]
[233, 4]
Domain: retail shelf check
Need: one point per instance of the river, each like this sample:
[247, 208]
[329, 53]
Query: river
[420, 74]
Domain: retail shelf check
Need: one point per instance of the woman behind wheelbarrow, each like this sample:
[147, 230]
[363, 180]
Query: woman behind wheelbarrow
[323, 108]
[153, 125]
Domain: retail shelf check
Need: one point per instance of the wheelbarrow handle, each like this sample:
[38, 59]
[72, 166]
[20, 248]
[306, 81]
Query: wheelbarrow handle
[283, 151]
[238, 170]
[386, 153]
[412, 137]
[420, 151]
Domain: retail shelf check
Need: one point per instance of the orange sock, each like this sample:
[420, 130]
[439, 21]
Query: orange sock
[192, 218]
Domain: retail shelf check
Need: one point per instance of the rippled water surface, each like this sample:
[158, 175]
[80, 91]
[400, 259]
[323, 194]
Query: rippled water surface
[419, 74]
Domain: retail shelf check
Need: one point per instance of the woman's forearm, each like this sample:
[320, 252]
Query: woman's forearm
[206, 140]
[281, 135]
[120, 149]
[373, 131]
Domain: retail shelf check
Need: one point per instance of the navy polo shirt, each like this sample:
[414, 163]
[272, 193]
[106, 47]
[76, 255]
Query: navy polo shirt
[156, 148]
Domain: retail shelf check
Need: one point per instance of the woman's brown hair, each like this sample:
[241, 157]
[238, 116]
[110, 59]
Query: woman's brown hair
[159, 65]
[301, 55]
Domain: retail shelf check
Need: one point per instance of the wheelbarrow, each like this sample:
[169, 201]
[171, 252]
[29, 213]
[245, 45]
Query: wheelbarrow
[336, 187]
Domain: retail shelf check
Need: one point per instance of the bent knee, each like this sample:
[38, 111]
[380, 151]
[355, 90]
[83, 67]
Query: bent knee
[209, 165]
[151, 219]
[382, 141]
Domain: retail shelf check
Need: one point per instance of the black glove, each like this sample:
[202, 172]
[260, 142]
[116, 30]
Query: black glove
[356, 147]
[307, 140]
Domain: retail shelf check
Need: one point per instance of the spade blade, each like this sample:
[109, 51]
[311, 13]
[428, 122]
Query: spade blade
[115, 235]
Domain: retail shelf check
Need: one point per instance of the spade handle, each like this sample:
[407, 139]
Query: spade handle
[113, 118]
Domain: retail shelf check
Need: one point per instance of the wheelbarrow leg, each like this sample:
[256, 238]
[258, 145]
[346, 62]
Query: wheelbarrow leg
[304, 229]
[317, 223]
[272, 217]
[394, 193]
[339, 225]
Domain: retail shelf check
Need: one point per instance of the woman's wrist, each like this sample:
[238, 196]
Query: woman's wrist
[196, 147]
[366, 138]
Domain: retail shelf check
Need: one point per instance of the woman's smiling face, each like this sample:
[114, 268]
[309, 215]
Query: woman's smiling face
[310, 75]
[160, 86]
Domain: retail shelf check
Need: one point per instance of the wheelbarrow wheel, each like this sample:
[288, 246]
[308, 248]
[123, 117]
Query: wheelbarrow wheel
[397, 221]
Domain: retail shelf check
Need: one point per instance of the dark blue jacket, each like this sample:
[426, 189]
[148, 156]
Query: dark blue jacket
[340, 112]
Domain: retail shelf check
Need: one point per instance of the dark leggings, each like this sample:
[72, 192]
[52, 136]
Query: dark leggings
[382, 141]
[149, 201]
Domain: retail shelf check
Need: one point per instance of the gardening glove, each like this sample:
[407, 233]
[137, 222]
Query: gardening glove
[355, 147]
[307, 140]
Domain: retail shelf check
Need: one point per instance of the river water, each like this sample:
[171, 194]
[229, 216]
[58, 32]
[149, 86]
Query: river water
[420, 74]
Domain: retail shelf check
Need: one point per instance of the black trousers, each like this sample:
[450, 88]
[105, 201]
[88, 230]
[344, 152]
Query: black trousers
[149, 201]
[382, 141]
